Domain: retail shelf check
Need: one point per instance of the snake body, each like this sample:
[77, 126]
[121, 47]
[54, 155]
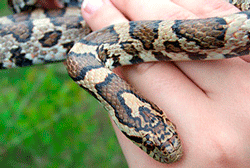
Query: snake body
[26, 41]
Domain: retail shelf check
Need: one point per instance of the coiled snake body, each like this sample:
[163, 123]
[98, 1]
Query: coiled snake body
[35, 38]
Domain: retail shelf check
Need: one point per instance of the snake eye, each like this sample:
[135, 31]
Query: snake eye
[149, 145]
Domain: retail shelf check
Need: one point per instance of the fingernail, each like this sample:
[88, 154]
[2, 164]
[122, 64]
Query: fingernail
[90, 6]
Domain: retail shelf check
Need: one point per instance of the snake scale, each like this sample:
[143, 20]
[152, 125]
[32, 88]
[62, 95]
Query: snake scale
[47, 36]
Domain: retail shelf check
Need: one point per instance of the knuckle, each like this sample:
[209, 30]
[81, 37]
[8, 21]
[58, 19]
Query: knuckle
[225, 148]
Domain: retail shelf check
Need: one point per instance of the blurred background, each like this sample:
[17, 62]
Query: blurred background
[46, 120]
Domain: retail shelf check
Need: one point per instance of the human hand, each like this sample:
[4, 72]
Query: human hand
[207, 100]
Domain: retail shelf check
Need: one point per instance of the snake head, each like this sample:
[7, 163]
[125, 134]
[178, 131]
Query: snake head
[164, 146]
[157, 136]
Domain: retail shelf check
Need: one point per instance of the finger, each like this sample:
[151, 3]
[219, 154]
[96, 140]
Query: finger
[207, 8]
[217, 77]
[152, 10]
[175, 9]
[101, 13]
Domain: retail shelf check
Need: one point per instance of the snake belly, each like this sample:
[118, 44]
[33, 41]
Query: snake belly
[91, 60]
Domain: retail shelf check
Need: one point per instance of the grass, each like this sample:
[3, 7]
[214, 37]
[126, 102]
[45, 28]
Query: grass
[48, 121]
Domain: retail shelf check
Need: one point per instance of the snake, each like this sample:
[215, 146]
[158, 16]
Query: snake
[40, 36]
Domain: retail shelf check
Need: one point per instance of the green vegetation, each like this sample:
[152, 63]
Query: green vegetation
[48, 121]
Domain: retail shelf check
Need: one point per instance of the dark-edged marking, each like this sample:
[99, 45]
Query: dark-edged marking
[145, 31]
[68, 46]
[159, 56]
[70, 22]
[207, 33]
[20, 31]
[54, 13]
[81, 64]
[196, 56]
[104, 36]
[1, 66]
[112, 91]
[19, 58]
[133, 138]
[50, 38]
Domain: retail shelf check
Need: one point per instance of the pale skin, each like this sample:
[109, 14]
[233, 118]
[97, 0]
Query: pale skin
[209, 101]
